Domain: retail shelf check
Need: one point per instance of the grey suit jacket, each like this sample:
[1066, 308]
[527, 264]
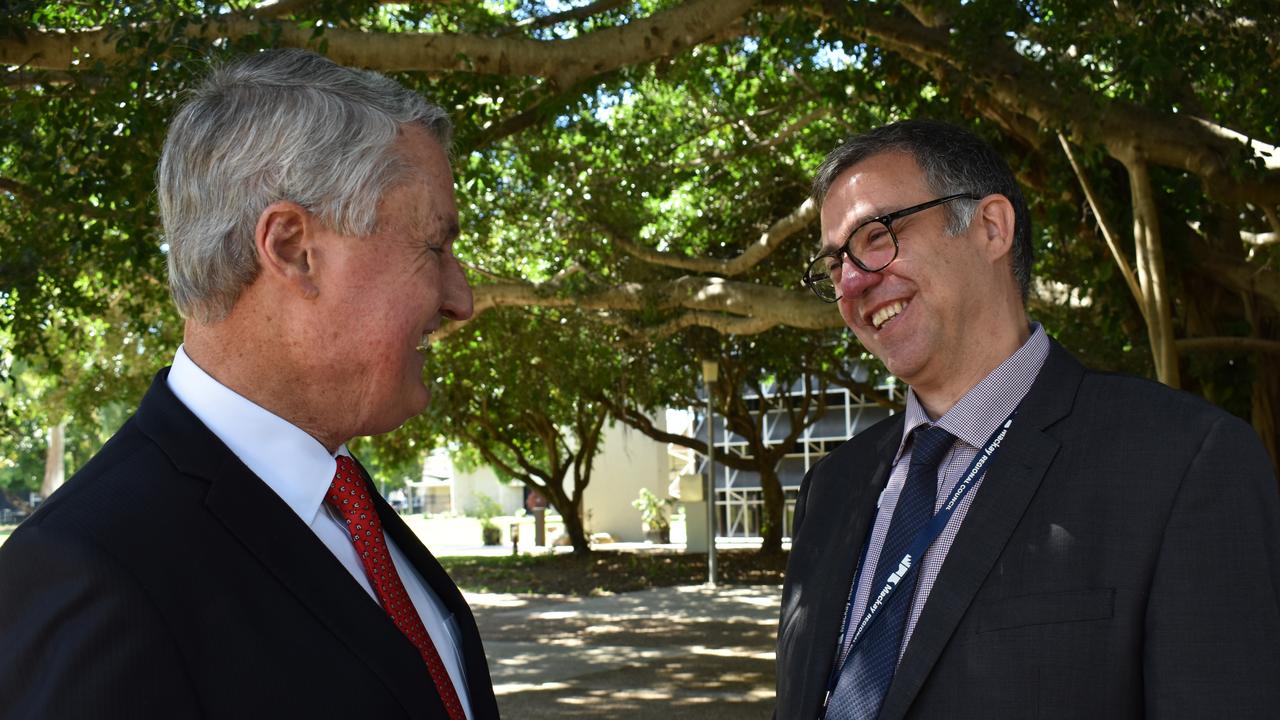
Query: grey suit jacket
[1121, 558]
[165, 580]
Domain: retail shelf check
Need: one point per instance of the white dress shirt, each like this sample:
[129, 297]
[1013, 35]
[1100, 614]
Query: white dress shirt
[299, 469]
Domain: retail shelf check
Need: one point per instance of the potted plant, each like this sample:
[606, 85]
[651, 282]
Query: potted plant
[655, 514]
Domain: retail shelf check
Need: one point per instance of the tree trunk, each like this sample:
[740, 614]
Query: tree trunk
[54, 460]
[574, 526]
[1265, 410]
[1152, 277]
[774, 509]
[570, 509]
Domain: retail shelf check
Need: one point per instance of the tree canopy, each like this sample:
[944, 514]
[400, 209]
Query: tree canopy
[642, 168]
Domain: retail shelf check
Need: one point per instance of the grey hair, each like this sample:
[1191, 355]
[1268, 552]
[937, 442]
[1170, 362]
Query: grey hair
[953, 160]
[279, 125]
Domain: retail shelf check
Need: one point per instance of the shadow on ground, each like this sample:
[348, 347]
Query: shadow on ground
[663, 653]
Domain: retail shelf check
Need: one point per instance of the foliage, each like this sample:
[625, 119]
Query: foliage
[483, 508]
[654, 511]
[521, 390]
[486, 509]
[633, 192]
[609, 571]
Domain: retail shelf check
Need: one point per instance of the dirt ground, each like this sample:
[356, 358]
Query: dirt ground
[657, 654]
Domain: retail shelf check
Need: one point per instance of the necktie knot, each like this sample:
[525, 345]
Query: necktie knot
[929, 446]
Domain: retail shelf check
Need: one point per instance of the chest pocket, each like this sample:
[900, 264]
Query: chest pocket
[1046, 609]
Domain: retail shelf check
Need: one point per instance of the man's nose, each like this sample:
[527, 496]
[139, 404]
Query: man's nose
[457, 302]
[854, 280]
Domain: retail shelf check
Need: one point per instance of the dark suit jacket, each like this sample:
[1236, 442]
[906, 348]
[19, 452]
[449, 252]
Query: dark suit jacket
[1121, 558]
[165, 580]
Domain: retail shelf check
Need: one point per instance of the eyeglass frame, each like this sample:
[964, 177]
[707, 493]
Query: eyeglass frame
[887, 220]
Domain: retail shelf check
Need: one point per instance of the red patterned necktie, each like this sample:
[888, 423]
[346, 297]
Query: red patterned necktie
[349, 496]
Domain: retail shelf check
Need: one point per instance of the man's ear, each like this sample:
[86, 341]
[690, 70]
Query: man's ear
[285, 240]
[996, 218]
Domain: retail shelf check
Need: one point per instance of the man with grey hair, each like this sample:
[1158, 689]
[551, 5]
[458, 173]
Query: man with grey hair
[1029, 538]
[224, 555]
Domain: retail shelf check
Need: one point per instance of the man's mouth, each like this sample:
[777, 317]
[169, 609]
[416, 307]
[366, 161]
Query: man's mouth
[887, 313]
[424, 343]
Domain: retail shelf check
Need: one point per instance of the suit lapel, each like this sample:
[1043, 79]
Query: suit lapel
[1001, 500]
[479, 684]
[287, 548]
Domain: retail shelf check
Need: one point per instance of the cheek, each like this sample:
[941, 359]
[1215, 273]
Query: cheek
[848, 312]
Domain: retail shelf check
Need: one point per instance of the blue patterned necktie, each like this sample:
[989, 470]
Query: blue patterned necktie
[866, 675]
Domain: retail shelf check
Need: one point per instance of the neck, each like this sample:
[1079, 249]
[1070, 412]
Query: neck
[939, 397]
[269, 378]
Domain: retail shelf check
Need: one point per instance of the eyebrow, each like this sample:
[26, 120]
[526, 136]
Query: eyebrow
[825, 248]
[875, 213]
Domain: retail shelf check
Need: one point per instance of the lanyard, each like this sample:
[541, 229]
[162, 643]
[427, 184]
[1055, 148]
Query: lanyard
[911, 557]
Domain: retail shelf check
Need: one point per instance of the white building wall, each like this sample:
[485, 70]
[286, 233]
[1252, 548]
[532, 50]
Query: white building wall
[467, 487]
[629, 460]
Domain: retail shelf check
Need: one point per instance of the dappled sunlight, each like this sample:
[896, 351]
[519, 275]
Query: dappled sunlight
[639, 654]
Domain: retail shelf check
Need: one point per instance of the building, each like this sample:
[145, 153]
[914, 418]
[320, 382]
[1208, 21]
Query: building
[630, 460]
[739, 498]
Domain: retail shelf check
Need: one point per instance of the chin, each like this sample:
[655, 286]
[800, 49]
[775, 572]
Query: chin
[400, 410]
[416, 400]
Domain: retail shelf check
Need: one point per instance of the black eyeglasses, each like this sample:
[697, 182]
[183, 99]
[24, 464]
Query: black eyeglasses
[871, 246]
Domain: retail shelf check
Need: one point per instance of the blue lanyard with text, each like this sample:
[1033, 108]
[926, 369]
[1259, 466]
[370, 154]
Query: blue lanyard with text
[915, 551]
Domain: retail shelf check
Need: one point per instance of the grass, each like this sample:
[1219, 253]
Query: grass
[608, 571]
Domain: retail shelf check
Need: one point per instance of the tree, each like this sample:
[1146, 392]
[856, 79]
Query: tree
[772, 387]
[647, 162]
[518, 390]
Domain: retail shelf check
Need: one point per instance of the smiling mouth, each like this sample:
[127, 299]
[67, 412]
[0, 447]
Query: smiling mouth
[887, 313]
[424, 343]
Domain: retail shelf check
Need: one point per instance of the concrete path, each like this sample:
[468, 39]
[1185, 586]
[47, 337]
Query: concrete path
[681, 652]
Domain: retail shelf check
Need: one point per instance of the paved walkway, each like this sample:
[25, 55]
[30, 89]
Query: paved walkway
[682, 652]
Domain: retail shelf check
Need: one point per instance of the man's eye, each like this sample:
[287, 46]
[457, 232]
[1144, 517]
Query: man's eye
[877, 236]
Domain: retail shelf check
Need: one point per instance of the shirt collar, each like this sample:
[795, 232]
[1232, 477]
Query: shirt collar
[975, 417]
[292, 463]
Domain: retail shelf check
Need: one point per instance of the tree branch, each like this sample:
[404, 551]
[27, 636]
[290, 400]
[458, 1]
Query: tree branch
[1247, 237]
[562, 62]
[1022, 86]
[1236, 274]
[640, 421]
[1152, 277]
[1228, 344]
[794, 308]
[764, 246]
[579, 13]
[280, 8]
[1272, 218]
[1268, 153]
[721, 323]
[1108, 233]
[758, 144]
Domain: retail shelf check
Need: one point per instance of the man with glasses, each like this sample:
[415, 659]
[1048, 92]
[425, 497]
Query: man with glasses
[1029, 538]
